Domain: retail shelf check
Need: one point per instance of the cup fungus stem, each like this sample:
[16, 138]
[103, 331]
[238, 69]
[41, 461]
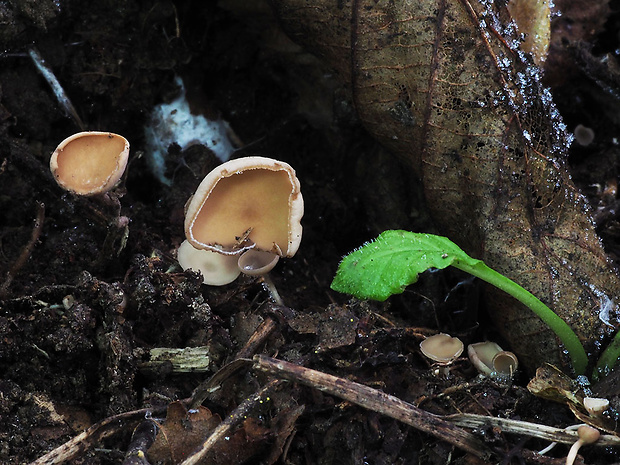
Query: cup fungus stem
[587, 435]
[270, 287]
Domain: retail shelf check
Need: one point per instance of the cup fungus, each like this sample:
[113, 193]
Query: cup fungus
[90, 163]
[595, 406]
[247, 203]
[492, 361]
[443, 349]
[256, 262]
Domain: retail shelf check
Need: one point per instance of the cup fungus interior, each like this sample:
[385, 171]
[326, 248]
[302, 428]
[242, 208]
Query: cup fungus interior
[90, 162]
[256, 262]
[255, 203]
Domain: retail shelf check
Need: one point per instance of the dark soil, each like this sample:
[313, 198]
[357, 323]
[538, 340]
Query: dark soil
[81, 305]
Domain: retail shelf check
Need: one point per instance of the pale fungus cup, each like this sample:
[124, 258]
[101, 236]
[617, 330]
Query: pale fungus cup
[492, 361]
[248, 210]
[90, 163]
[442, 349]
[595, 406]
[251, 202]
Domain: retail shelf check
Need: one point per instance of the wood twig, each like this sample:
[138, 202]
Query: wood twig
[375, 400]
[525, 428]
[96, 433]
[236, 417]
[27, 251]
[142, 439]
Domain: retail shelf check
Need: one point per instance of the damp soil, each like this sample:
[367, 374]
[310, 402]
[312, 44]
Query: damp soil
[89, 286]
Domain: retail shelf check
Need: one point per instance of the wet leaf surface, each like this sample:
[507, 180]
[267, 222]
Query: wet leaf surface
[445, 86]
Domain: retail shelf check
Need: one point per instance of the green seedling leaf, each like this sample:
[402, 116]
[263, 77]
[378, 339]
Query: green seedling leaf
[387, 265]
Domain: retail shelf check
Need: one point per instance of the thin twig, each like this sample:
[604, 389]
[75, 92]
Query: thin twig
[23, 257]
[236, 417]
[375, 400]
[213, 384]
[57, 89]
[93, 435]
[525, 428]
[258, 337]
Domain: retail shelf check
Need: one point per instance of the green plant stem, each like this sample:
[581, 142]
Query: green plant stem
[608, 358]
[563, 331]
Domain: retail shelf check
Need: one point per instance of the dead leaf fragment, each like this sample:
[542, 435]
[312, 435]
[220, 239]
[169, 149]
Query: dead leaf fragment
[181, 433]
[551, 384]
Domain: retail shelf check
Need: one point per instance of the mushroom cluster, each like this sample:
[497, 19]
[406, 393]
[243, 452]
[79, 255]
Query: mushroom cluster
[244, 216]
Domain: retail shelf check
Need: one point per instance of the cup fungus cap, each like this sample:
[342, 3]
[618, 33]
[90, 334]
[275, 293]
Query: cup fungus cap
[90, 163]
[492, 361]
[595, 406]
[256, 262]
[442, 348]
[216, 269]
[251, 202]
[481, 355]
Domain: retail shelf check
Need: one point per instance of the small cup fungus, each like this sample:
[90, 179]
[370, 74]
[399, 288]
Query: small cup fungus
[256, 262]
[481, 356]
[595, 406]
[492, 361]
[443, 349]
[90, 163]
[251, 202]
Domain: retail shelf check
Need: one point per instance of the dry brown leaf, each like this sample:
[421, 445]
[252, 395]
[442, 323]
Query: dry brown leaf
[181, 433]
[551, 384]
[184, 431]
[442, 84]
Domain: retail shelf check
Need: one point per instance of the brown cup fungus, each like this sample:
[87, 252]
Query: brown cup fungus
[251, 202]
[249, 208]
[492, 361]
[90, 163]
[442, 349]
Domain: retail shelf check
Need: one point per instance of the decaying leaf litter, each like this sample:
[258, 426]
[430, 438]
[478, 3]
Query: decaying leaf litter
[81, 315]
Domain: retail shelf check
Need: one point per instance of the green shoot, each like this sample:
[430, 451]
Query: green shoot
[608, 359]
[394, 260]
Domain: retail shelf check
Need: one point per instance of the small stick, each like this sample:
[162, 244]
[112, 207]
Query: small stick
[549, 433]
[83, 441]
[236, 417]
[260, 335]
[57, 89]
[375, 400]
[204, 390]
[23, 257]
